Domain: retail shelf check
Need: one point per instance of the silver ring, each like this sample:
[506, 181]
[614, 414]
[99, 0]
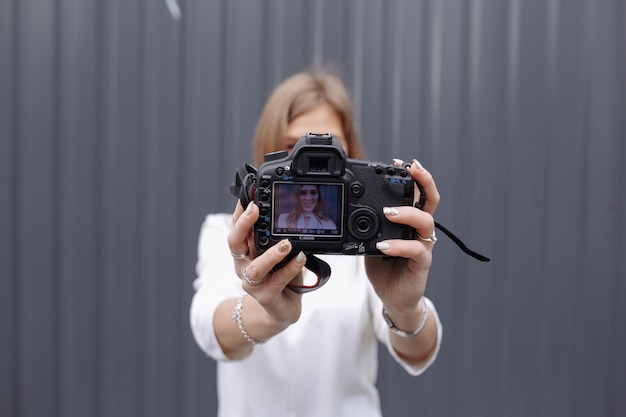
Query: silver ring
[249, 281]
[242, 256]
[432, 239]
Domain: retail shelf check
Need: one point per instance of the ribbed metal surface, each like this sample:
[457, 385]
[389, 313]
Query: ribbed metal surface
[121, 127]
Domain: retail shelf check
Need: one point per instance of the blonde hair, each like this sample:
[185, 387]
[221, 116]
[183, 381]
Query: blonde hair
[295, 96]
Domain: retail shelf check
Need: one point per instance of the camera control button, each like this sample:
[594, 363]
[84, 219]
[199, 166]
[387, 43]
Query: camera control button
[280, 171]
[356, 189]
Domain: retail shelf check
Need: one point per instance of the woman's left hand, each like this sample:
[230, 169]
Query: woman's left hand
[400, 282]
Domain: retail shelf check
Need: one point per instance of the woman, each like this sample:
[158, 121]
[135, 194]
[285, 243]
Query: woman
[309, 210]
[282, 353]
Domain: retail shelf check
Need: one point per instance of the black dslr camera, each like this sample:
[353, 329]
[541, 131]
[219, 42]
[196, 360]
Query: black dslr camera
[324, 202]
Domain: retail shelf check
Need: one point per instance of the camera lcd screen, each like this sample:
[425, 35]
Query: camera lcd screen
[312, 209]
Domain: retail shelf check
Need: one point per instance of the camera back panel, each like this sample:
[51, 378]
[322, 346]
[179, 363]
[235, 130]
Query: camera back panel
[324, 202]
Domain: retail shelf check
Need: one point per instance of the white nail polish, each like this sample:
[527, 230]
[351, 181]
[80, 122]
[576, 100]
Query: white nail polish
[382, 246]
[418, 165]
[390, 211]
[300, 257]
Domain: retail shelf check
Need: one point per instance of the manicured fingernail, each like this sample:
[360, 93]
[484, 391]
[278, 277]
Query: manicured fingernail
[300, 257]
[283, 245]
[390, 211]
[397, 162]
[418, 165]
[249, 208]
[383, 246]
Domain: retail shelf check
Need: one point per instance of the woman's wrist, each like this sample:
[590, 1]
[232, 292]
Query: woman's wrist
[253, 322]
[238, 319]
[408, 323]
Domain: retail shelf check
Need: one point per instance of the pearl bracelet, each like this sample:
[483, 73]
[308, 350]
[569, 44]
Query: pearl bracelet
[415, 332]
[237, 319]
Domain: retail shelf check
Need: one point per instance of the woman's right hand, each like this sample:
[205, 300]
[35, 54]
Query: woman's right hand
[259, 279]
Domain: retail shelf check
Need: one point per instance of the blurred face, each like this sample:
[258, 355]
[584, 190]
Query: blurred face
[308, 196]
[321, 119]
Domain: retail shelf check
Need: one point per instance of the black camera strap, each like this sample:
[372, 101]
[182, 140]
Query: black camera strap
[314, 264]
[462, 245]
[244, 189]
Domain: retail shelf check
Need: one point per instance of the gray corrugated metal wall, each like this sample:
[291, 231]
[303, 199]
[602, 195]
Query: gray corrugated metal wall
[121, 126]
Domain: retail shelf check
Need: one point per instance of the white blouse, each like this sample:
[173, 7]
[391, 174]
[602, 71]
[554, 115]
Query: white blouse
[323, 365]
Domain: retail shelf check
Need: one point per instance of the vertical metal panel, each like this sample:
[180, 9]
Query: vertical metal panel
[8, 230]
[77, 196]
[202, 190]
[36, 212]
[121, 125]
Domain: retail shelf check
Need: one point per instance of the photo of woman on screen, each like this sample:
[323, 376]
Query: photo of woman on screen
[308, 212]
